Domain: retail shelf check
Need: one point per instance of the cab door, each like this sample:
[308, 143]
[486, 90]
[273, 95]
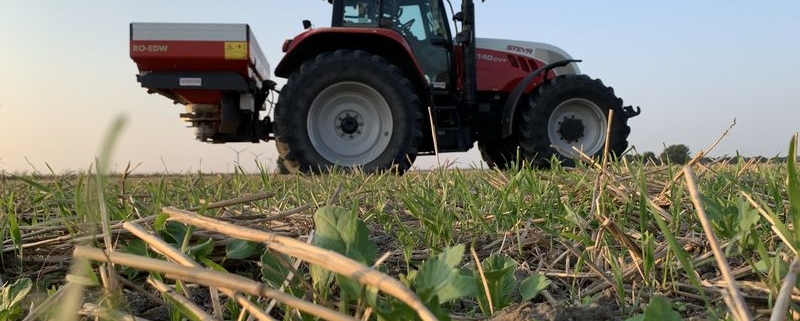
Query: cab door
[424, 25]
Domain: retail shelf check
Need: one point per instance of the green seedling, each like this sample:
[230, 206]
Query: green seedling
[11, 297]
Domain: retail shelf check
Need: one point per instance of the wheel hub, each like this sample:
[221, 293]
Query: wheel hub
[571, 129]
[349, 125]
[577, 125]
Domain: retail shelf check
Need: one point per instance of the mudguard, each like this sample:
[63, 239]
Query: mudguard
[385, 42]
[510, 108]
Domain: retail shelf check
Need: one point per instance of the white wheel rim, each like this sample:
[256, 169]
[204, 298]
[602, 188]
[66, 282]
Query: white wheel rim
[578, 123]
[349, 124]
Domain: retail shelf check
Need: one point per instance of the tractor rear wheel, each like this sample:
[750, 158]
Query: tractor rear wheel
[348, 109]
[571, 111]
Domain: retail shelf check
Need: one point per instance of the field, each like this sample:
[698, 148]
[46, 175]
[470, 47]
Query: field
[622, 241]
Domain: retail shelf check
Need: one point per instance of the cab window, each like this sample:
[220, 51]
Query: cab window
[436, 23]
[426, 23]
[417, 28]
[360, 13]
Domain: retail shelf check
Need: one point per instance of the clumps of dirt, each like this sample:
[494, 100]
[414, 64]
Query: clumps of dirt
[546, 311]
[141, 305]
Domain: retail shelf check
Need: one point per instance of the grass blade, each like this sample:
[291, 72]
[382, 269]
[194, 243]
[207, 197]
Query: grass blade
[678, 250]
[794, 188]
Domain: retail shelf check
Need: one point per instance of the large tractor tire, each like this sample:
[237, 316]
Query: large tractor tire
[348, 109]
[571, 111]
[500, 153]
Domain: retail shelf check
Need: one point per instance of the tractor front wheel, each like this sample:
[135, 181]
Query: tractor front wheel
[348, 109]
[570, 113]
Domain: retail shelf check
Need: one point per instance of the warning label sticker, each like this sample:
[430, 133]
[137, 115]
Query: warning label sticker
[190, 82]
[236, 50]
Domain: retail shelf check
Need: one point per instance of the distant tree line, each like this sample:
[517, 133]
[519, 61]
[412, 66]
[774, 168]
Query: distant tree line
[679, 154]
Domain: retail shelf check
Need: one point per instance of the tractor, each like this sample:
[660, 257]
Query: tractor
[389, 81]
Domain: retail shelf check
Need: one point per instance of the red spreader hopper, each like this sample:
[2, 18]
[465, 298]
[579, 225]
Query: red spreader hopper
[209, 58]
[216, 70]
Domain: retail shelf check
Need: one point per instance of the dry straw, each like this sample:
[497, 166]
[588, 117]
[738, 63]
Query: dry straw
[174, 254]
[207, 277]
[733, 297]
[332, 261]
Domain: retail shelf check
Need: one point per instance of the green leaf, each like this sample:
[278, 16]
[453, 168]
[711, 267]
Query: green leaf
[434, 273]
[781, 229]
[395, 310]
[182, 309]
[339, 230]
[175, 232]
[408, 279]
[160, 222]
[350, 287]
[135, 246]
[462, 285]
[533, 285]
[36, 185]
[649, 250]
[364, 246]
[452, 255]
[748, 216]
[202, 250]
[233, 307]
[498, 269]
[722, 216]
[438, 281]
[240, 250]
[16, 235]
[714, 210]
[336, 228]
[677, 249]
[211, 264]
[762, 266]
[660, 309]
[273, 272]
[321, 279]
[13, 294]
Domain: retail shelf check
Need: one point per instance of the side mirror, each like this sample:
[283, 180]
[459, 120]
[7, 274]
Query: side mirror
[459, 16]
[464, 37]
[306, 24]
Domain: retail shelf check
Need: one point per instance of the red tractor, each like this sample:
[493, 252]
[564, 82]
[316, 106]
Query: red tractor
[385, 83]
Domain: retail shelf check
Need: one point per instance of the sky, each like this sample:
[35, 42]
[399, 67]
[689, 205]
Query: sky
[692, 66]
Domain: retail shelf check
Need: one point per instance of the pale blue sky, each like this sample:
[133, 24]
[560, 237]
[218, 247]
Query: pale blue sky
[693, 66]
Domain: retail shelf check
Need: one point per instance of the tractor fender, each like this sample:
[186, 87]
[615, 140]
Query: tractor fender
[512, 102]
[387, 43]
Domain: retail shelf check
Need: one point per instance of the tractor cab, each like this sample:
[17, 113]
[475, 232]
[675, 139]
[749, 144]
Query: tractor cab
[422, 23]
